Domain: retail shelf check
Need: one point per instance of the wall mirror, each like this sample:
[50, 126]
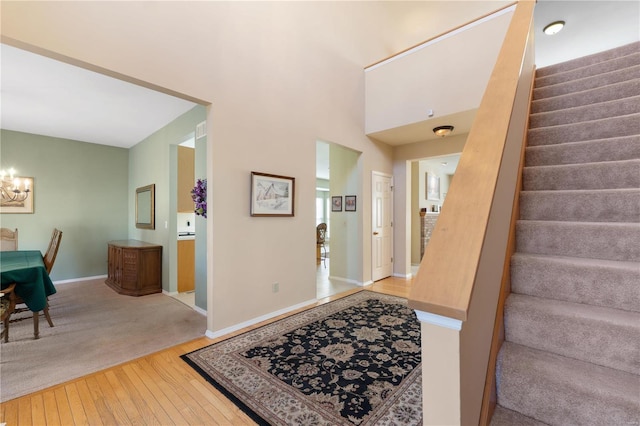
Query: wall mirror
[146, 207]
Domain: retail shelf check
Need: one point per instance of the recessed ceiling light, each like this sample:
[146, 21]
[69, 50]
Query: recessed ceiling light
[553, 28]
[443, 131]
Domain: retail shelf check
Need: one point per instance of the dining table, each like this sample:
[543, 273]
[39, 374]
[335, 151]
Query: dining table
[26, 268]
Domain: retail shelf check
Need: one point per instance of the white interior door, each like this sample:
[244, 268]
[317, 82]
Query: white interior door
[381, 224]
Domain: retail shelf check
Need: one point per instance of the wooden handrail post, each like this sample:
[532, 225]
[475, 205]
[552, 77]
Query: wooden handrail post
[455, 292]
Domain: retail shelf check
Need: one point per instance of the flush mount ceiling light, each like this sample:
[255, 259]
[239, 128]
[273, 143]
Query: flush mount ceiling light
[443, 131]
[553, 28]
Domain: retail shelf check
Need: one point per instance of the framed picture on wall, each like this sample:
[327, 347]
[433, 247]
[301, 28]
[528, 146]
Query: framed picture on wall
[17, 195]
[272, 195]
[432, 185]
[336, 203]
[349, 203]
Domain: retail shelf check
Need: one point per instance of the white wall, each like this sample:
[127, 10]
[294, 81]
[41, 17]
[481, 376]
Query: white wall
[279, 76]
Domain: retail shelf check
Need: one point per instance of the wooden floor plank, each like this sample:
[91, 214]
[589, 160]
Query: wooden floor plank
[138, 369]
[172, 392]
[24, 411]
[78, 413]
[10, 413]
[37, 409]
[156, 389]
[126, 399]
[104, 411]
[88, 403]
[164, 411]
[64, 407]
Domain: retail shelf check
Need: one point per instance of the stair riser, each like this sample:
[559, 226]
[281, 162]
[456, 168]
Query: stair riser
[554, 390]
[581, 206]
[601, 94]
[588, 83]
[628, 125]
[608, 175]
[614, 149]
[589, 71]
[606, 284]
[598, 335]
[611, 241]
[581, 114]
[585, 61]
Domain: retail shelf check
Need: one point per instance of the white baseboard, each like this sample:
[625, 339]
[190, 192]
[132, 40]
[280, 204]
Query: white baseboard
[200, 310]
[169, 293]
[75, 280]
[405, 276]
[366, 283]
[215, 334]
[349, 281]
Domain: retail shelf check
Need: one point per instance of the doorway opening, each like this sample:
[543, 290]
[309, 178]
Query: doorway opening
[430, 180]
[338, 176]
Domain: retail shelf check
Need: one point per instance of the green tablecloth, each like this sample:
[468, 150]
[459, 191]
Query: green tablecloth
[26, 269]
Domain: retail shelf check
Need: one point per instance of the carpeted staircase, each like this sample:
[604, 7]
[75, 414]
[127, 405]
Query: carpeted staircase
[571, 354]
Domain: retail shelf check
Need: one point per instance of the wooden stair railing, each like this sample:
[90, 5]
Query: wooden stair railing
[457, 287]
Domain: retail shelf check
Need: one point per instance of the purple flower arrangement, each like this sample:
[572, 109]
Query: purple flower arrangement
[199, 196]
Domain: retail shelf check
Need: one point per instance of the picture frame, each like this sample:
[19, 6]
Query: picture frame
[7, 205]
[432, 184]
[336, 203]
[272, 195]
[349, 203]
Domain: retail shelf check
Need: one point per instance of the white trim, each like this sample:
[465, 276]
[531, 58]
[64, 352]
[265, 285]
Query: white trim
[215, 334]
[366, 283]
[439, 320]
[349, 281]
[199, 310]
[442, 37]
[169, 293]
[405, 276]
[75, 280]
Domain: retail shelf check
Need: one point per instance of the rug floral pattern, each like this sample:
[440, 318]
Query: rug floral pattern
[354, 361]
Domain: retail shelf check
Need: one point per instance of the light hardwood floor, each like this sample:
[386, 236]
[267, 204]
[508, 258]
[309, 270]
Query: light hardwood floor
[157, 389]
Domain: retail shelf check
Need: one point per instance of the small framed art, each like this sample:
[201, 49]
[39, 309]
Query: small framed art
[336, 203]
[349, 203]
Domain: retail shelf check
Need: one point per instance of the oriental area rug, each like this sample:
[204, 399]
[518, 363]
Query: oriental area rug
[352, 361]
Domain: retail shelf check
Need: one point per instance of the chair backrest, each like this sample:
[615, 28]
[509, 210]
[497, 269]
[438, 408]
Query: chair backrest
[52, 251]
[8, 239]
[321, 233]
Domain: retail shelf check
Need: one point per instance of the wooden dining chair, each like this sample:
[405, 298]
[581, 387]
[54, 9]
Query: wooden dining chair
[7, 306]
[321, 234]
[8, 239]
[49, 259]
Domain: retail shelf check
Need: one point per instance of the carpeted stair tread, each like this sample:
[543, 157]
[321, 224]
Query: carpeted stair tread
[589, 70]
[562, 391]
[603, 336]
[571, 354]
[607, 241]
[505, 417]
[611, 149]
[579, 114]
[596, 282]
[605, 205]
[620, 90]
[587, 83]
[613, 127]
[627, 49]
[605, 175]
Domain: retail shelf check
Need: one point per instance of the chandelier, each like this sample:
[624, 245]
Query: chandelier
[12, 188]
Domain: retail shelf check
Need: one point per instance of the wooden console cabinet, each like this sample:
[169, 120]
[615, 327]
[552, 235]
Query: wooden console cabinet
[135, 267]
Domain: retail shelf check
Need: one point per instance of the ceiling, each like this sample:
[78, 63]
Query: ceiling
[48, 97]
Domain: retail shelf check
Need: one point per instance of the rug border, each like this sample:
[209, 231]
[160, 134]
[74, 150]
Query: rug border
[234, 399]
[228, 394]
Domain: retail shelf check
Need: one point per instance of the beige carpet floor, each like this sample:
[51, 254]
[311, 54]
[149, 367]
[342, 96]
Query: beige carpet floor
[94, 328]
